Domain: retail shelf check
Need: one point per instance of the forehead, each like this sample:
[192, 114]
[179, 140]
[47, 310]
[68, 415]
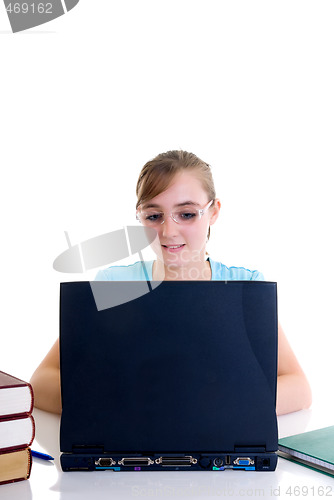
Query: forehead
[184, 188]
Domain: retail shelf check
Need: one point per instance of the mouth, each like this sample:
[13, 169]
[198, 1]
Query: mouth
[173, 248]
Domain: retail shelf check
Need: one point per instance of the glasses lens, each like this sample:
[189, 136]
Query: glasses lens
[151, 218]
[186, 216]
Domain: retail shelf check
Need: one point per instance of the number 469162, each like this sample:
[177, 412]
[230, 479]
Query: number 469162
[33, 8]
[302, 491]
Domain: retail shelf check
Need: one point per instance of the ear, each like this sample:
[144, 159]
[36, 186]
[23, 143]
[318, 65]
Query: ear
[215, 211]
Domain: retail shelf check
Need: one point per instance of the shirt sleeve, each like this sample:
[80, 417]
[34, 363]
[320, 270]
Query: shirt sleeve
[102, 276]
[257, 276]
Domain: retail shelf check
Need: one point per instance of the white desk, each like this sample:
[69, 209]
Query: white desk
[47, 480]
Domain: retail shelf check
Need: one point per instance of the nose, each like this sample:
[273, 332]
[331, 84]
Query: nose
[169, 227]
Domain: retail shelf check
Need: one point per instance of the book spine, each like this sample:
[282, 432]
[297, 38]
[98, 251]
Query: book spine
[29, 464]
[33, 430]
[32, 398]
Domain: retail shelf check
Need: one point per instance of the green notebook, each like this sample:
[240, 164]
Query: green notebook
[314, 449]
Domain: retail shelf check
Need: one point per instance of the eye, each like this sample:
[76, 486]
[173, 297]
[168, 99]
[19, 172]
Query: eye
[153, 217]
[187, 215]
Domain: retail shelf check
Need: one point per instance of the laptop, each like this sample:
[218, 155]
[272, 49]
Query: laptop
[182, 377]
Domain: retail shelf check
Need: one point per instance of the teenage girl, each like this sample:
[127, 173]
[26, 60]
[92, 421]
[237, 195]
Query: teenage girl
[176, 196]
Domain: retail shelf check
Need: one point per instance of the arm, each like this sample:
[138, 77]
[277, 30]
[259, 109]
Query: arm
[45, 382]
[293, 389]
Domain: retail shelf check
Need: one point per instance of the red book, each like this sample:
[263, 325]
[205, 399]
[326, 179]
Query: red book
[17, 432]
[16, 396]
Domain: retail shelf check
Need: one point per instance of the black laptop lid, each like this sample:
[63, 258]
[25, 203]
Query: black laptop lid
[189, 367]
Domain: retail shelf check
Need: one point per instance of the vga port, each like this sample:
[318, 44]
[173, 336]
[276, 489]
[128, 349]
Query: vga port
[243, 461]
[105, 462]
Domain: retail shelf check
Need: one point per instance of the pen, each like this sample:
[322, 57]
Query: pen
[43, 456]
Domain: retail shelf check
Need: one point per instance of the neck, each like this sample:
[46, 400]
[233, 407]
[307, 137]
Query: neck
[197, 271]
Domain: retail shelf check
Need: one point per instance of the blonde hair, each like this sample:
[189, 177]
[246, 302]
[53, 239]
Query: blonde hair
[157, 174]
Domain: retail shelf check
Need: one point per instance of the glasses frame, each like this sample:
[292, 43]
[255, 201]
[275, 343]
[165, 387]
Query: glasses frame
[201, 212]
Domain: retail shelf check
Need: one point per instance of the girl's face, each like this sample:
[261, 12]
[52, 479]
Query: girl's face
[185, 192]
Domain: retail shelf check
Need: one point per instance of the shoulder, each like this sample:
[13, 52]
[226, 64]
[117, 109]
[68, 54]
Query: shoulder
[222, 272]
[133, 272]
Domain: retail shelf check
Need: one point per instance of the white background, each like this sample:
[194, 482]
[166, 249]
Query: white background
[87, 99]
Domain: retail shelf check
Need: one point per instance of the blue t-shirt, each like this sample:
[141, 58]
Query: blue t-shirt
[142, 270]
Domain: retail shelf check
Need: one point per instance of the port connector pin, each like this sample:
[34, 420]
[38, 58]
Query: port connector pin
[176, 461]
[243, 461]
[135, 461]
[105, 462]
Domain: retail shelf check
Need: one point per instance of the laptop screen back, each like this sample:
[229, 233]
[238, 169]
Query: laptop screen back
[189, 367]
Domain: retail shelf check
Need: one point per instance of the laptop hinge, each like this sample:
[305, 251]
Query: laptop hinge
[250, 449]
[88, 448]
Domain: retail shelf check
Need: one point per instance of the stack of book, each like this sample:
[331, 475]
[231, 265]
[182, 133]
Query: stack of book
[17, 428]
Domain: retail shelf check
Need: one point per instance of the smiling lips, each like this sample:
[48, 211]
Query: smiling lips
[173, 247]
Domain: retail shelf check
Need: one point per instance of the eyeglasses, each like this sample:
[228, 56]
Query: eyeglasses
[185, 215]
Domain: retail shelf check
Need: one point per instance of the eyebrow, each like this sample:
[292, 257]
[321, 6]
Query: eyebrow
[184, 203]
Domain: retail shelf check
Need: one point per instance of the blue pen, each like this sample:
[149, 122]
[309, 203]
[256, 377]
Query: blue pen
[43, 456]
